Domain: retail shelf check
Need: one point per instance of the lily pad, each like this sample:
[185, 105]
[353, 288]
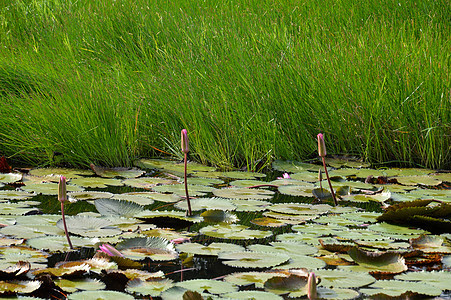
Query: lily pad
[141, 200]
[212, 250]
[243, 193]
[49, 188]
[250, 204]
[387, 262]
[147, 182]
[440, 279]
[58, 243]
[297, 190]
[430, 244]
[291, 166]
[293, 284]
[96, 182]
[260, 295]
[395, 288]
[168, 198]
[252, 259]
[209, 285]
[300, 209]
[16, 195]
[395, 230]
[154, 247]
[86, 284]
[99, 295]
[242, 175]
[247, 278]
[88, 195]
[206, 203]
[179, 189]
[117, 172]
[10, 177]
[55, 173]
[120, 208]
[232, 231]
[344, 279]
[16, 286]
[152, 288]
[89, 226]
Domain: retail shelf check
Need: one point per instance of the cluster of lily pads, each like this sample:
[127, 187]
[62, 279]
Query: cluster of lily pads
[266, 245]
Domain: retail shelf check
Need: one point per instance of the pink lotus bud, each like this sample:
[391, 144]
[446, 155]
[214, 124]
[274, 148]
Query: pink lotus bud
[311, 286]
[62, 192]
[284, 176]
[185, 147]
[321, 145]
[110, 250]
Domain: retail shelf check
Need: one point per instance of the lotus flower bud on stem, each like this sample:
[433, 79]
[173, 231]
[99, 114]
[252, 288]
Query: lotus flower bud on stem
[185, 149]
[110, 250]
[62, 197]
[322, 153]
[311, 286]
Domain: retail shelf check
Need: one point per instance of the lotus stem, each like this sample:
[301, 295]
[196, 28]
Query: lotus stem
[322, 152]
[62, 197]
[185, 150]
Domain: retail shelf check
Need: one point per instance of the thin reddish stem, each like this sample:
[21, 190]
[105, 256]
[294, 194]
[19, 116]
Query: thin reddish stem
[328, 180]
[186, 188]
[65, 227]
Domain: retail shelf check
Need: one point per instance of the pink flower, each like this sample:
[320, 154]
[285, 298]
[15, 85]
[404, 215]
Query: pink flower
[311, 286]
[185, 146]
[180, 240]
[285, 176]
[62, 193]
[110, 250]
[321, 145]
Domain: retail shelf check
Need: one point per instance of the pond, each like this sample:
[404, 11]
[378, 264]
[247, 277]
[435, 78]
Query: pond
[251, 236]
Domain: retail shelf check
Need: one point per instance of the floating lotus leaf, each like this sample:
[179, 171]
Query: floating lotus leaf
[153, 288]
[271, 222]
[285, 247]
[245, 183]
[251, 259]
[4, 241]
[213, 249]
[249, 204]
[16, 209]
[387, 262]
[287, 181]
[59, 243]
[364, 234]
[242, 175]
[179, 216]
[20, 268]
[257, 278]
[147, 182]
[361, 216]
[302, 261]
[168, 198]
[319, 230]
[415, 180]
[441, 195]
[336, 294]
[16, 195]
[344, 279]
[300, 209]
[99, 295]
[49, 188]
[334, 246]
[55, 173]
[232, 231]
[349, 172]
[337, 220]
[178, 292]
[86, 284]
[334, 259]
[88, 195]
[291, 166]
[218, 216]
[209, 285]
[305, 176]
[260, 295]
[311, 239]
[243, 193]
[321, 194]
[89, 226]
[122, 208]
[179, 189]
[74, 269]
[134, 198]
[298, 219]
[154, 247]
[153, 163]
[30, 231]
[280, 285]
[343, 191]
[383, 244]
[297, 190]
[381, 197]
[168, 234]
[117, 172]
[207, 203]
[16, 286]
[345, 162]
[10, 177]
[430, 244]
[204, 181]
[446, 261]
[395, 230]
[395, 288]
[439, 279]
[96, 182]
[131, 274]
[178, 168]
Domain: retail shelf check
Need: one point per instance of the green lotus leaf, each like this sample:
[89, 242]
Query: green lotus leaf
[247, 278]
[381, 197]
[319, 230]
[245, 183]
[333, 245]
[95, 264]
[348, 172]
[16, 209]
[117, 172]
[49, 188]
[58, 243]
[218, 216]
[168, 234]
[387, 262]
[311, 239]
[232, 231]
[408, 172]
[298, 261]
[154, 247]
[291, 166]
[55, 173]
[430, 244]
[395, 230]
[113, 207]
[96, 182]
[440, 279]
[99, 295]
[415, 180]
[343, 191]
[192, 167]
[300, 209]
[344, 162]
[147, 182]
[16, 286]
[153, 163]
[89, 226]
[30, 231]
[85, 284]
[88, 195]
[251, 259]
[336, 293]
[280, 285]
[179, 293]
[446, 261]
[271, 222]
[305, 176]
[287, 181]
[44, 219]
[168, 198]
[285, 247]
[343, 279]
[395, 288]
[383, 244]
[178, 216]
[321, 194]
[243, 193]
[209, 285]
[249, 204]
[153, 288]
[441, 195]
[10, 177]
[179, 189]
[140, 200]
[242, 175]
[16, 195]
[203, 181]
[5, 241]
[213, 249]
[432, 224]
[206, 203]
[131, 274]
[296, 190]
[362, 216]
[337, 220]
[260, 295]
[292, 219]
[20, 253]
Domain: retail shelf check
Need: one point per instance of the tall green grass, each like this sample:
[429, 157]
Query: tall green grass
[112, 80]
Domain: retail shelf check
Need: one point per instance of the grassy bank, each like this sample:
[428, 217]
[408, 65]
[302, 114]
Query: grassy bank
[109, 81]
